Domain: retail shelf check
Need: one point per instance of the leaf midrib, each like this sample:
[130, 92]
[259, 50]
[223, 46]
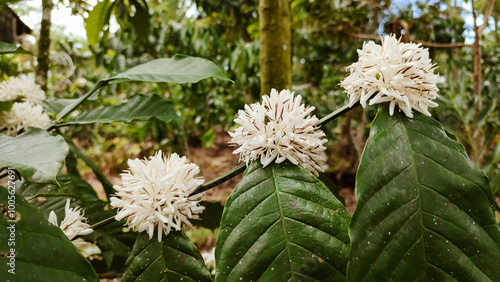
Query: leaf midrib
[404, 134]
[282, 217]
[412, 156]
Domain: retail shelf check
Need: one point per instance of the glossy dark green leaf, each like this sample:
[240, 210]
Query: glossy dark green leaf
[174, 259]
[36, 154]
[7, 48]
[179, 69]
[140, 107]
[334, 189]
[282, 224]
[114, 243]
[43, 252]
[424, 211]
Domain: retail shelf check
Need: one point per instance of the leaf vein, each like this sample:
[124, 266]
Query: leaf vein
[317, 228]
[446, 168]
[312, 252]
[249, 212]
[392, 178]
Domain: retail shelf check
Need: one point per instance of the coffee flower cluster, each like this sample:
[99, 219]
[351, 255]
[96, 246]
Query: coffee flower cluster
[155, 194]
[394, 72]
[279, 129]
[26, 110]
[74, 224]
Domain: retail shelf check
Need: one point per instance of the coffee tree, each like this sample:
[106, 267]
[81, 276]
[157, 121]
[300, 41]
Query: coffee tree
[423, 212]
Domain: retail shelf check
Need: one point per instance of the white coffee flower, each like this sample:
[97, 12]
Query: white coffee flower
[280, 129]
[73, 224]
[395, 72]
[209, 258]
[155, 194]
[21, 87]
[21, 116]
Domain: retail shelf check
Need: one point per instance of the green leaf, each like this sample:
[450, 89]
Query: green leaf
[210, 218]
[36, 154]
[7, 48]
[179, 69]
[56, 105]
[72, 106]
[334, 189]
[114, 242]
[106, 184]
[49, 197]
[69, 186]
[174, 259]
[140, 19]
[424, 211]
[140, 107]
[282, 224]
[43, 252]
[207, 138]
[97, 19]
[495, 184]
[6, 105]
[122, 14]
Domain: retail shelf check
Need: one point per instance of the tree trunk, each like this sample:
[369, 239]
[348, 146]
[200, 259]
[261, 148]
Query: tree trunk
[477, 52]
[44, 45]
[275, 45]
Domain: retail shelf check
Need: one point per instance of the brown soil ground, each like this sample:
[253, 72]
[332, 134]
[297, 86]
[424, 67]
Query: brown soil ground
[217, 160]
[214, 162]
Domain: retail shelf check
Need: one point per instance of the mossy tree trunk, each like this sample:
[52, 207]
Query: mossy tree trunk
[275, 45]
[44, 45]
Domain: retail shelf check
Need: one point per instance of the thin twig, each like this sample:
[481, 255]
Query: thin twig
[221, 179]
[486, 17]
[63, 124]
[98, 225]
[66, 111]
[441, 45]
[103, 223]
[337, 113]
[424, 43]
[362, 35]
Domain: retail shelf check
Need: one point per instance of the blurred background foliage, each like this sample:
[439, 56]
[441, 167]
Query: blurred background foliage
[325, 35]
